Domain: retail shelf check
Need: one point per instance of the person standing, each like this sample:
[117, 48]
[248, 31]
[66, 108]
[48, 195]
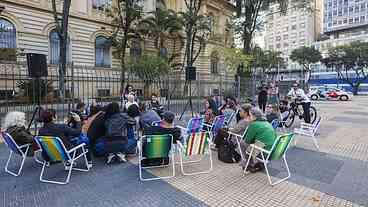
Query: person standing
[262, 98]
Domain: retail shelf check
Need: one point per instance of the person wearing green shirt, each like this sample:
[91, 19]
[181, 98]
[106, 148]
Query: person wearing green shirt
[261, 131]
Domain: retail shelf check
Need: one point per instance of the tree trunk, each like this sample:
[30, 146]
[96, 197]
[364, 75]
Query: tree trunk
[122, 62]
[62, 68]
[247, 44]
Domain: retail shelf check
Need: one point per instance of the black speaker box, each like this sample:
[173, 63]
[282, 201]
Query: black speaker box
[37, 65]
[190, 73]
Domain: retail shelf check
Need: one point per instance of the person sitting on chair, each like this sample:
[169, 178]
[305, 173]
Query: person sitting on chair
[272, 113]
[147, 117]
[15, 125]
[259, 132]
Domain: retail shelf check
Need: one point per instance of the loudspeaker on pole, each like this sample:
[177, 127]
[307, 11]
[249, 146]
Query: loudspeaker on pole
[37, 65]
[190, 73]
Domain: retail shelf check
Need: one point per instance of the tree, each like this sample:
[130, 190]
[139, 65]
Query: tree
[197, 30]
[62, 21]
[150, 68]
[234, 58]
[125, 18]
[266, 60]
[305, 56]
[350, 62]
[249, 16]
[162, 25]
[35, 89]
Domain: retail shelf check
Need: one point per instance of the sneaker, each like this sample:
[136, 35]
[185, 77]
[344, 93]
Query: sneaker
[89, 164]
[67, 165]
[110, 158]
[121, 157]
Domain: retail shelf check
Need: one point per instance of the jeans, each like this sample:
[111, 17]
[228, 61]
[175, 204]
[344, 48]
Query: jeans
[306, 109]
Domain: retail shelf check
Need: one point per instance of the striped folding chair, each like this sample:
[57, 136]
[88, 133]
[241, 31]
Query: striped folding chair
[277, 152]
[218, 123]
[230, 116]
[155, 146]
[54, 149]
[15, 149]
[197, 144]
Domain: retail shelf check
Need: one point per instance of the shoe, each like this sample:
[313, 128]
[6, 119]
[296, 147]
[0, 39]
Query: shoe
[89, 164]
[67, 165]
[121, 157]
[255, 168]
[110, 158]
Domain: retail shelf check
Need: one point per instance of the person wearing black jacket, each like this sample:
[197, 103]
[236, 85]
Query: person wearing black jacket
[262, 98]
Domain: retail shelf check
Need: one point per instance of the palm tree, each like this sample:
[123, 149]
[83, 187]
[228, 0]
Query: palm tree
[162, 25]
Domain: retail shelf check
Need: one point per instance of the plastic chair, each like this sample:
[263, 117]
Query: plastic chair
[309, 130]
[54, 149]
[155, 146]
[217, 124]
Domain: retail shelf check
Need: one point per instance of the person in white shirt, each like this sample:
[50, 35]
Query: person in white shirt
[299, 94]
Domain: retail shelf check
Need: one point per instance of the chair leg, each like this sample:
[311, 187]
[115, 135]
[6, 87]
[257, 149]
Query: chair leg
[16, 174]
[315, 143]
[57, 182]
[84, 155]
[195, 173]
[248, 161]
[282, 179]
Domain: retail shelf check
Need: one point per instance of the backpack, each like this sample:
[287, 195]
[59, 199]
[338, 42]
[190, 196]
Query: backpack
[227, 153]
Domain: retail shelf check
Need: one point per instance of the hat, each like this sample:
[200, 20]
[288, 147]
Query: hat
[168, 116]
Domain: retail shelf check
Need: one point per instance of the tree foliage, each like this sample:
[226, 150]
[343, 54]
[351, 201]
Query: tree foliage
[149, 67]
[234, 58]
[266, 59]
[249, 16]
[350, 62]
[306, 56]
[125, 15]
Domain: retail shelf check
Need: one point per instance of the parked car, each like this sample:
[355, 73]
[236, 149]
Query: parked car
[329, 93]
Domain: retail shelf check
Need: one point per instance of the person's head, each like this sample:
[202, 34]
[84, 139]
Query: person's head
[48, 116]
[168, 117]
[256, 114]
[210, 104]
[230, 102]
[128, 88]
[295, 86]
[154, 97]
[244, 111]
[112, 108]
[14, 118]
[142, 107]
[80, 106]
[94, 109]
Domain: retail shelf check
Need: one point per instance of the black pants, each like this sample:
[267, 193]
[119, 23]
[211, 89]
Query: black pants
[306, 109]
[262, 105]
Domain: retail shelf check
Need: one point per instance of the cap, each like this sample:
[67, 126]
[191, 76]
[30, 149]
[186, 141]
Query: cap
[168, 116]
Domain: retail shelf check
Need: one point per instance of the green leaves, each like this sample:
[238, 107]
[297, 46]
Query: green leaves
[305, 56]
[149, 67]
[234, 57]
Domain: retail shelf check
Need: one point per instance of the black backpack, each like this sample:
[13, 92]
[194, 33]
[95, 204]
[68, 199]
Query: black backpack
[227, 153]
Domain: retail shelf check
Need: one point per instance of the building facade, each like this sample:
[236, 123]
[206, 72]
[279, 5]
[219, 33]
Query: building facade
[27, 26]
[296, 28]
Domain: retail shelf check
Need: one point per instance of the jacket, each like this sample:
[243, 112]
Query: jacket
[21, 136]
[116, 125]
[63, 131]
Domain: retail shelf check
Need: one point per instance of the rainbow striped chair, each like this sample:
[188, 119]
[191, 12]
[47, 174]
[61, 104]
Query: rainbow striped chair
[54, 149]
[218, 123]
[155, 146]
[15, 149]
[197, 144]
[194, 125]
[277, 152]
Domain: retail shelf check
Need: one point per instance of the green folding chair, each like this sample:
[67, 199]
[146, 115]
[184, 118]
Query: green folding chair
[277, 152]
[155, 146]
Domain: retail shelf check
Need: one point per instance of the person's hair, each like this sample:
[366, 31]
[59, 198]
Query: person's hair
[94, 109]
[112, 108]
[168, 116]
[153, 94]
[258, 114]
[80, 105]
[213, 106]
[14, 118]
[48, 115]
[246, 108]
[275, 108]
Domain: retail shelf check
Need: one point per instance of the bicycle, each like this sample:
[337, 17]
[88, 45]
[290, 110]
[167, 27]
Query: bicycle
[296, 110]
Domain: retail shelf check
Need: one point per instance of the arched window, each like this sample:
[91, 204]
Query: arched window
[54, 55]
[135, 49]
[211, 23]
[8, 34]
[102, 52]
[214, 62]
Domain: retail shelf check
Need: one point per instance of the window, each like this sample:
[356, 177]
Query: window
[211, 22]
[135, 49]
[302, 25]
[102, 5]
[362, 18]
[278, 38]
[8, 34]
[345, 21]
[356, 19]
[214, 62]
[55, 48]
[356, 9]
[286, 36]
[293, 27]
[278, 46]
[286, 44]
[351, 20]
[102, 52]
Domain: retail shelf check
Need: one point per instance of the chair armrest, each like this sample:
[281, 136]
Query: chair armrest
[260, 149]
[180, 127]
[207, 125]
[77, 147]
[179, 144]
[25, 145]
[237, 135]
[303, 124]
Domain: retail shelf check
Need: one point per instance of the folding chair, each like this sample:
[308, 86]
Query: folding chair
[194, 125]
[277, 152]
[54, 149]
[230, 116]
[309, 130]
[275, 124]
[155, 146]
[196, 144]
[16, 149]
[217, 124]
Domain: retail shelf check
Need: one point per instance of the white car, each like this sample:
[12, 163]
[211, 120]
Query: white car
[329, 93]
